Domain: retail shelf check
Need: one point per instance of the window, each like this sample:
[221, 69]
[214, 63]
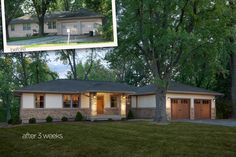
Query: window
[67, 101]
[39, 101]
[12, 27]
[114, 101]
[52, 25]
[75, 101]
[71, 101]
[26, 27]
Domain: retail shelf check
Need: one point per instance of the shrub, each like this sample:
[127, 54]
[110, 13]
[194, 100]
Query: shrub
[10, 121]
[32, 121]
[130, 115]
[64, 119]
[49, 119]
[78, 117]
[14, 121]
[110, 119]
[224, 109]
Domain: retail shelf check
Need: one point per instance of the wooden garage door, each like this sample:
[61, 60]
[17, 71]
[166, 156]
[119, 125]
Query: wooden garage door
[180, 109]
[202, 109]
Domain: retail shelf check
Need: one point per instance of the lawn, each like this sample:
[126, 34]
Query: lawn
[116, 139]
[23, 38]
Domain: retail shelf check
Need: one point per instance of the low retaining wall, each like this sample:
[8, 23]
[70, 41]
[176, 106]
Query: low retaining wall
[56, 114]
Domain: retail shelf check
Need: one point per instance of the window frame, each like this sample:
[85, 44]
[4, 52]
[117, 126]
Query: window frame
[36, 101]
[13, 28]
[26, 26]
[71, 101]
[117, 102]
[52, 25]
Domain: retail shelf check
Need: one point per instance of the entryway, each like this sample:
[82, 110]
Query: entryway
[100, 104]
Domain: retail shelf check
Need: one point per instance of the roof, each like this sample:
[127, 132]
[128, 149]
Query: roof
[77, 86]
[175, 87]
[81, 13]
[82, 86]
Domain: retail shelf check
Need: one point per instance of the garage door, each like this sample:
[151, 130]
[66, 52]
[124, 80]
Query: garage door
[72, 26]
[87, 27]
[180, 109]
[202, 109]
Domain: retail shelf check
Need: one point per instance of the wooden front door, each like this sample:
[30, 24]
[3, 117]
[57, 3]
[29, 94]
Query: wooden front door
[180, 109]
[202, 109]
[100, 104]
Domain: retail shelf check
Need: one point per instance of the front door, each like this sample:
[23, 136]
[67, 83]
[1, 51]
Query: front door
[100, 104]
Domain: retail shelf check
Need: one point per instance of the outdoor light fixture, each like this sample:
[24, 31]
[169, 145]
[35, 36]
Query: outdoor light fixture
[214, 100]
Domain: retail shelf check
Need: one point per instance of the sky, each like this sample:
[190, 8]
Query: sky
[82, 55]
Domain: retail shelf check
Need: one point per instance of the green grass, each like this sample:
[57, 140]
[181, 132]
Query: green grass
[116, 139]
[23, 38]
[63, 44]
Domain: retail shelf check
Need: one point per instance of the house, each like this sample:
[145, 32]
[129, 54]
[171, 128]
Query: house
[98, 100]
[81, 22]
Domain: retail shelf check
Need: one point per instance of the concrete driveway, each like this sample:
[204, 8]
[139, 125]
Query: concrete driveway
[56, 39]
[222, 122]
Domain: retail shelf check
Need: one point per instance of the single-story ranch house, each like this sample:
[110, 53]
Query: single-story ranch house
[81, 22]
[98, 100]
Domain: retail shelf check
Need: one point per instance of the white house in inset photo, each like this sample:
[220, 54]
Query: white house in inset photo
[57, 23]
[98, 100]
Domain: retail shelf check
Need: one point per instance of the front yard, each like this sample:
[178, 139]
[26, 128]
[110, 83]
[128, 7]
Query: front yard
[116, 139]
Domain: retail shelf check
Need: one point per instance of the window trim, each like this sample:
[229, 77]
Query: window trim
[35, 106]
[13, 28]
[71, 101]
[117, 102]
[28, 27]
[51, 25]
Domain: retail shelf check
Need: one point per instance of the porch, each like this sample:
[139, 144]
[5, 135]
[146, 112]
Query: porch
[105, 106]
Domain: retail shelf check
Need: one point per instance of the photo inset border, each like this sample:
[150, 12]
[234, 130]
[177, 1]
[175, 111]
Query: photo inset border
[62, 30]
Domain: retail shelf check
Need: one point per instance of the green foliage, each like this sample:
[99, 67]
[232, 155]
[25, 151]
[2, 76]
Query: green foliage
[130, 115]
[49, 119]
[64, 119]
[223, 109]
[32, 121]
[78, 117]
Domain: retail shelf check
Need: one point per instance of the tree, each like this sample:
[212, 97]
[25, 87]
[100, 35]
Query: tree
[41, 7]
[12, 10]
[167, 33]
[95, 72]
[69, 57]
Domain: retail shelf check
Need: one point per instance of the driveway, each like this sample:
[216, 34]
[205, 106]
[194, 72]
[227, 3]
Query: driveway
[56, 39]
[222, 122]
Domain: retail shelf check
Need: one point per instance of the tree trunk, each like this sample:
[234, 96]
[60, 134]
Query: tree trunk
[160, 112]
[25, 77]
[233, 89]
[7, 31]
[41, 25]
[74, 64]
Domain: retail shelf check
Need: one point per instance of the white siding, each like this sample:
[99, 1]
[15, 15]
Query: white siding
[148, 101]
[53, 101]
[19, 32]
[27, 101]
[133, 101]
[85, 100]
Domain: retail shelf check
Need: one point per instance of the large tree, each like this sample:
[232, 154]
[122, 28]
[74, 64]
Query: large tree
[41, 7]
[12, 10]
[167, 33]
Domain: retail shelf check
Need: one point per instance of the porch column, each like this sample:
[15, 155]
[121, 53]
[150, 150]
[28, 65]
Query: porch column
[168, 108]
[123, 106]
[93, 104]
[213, 108]
[192, 109]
